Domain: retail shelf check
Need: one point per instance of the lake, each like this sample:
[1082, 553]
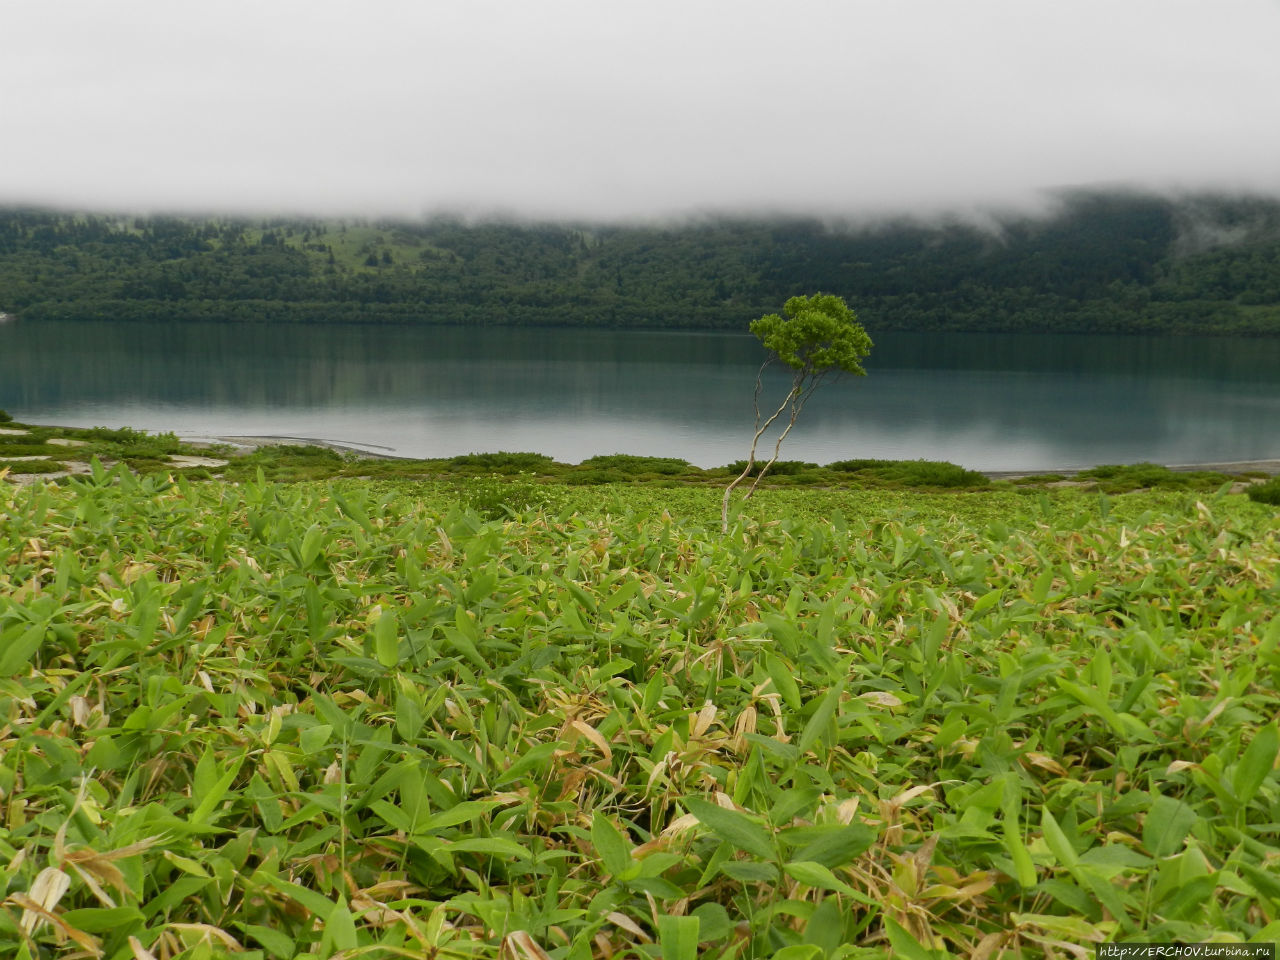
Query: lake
[986, 401]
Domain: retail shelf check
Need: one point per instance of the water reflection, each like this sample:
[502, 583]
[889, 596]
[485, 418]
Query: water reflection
[983, 400]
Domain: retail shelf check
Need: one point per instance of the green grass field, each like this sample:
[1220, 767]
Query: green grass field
[371, 719]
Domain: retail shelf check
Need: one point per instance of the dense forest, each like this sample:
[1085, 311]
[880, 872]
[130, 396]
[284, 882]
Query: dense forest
[1118, 262]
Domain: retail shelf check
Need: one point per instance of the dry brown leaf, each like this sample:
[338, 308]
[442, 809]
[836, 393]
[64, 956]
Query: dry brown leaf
[61, 929]
[702, 722]
[629, 925]
[519, 940]
[49, 886]
[207, 930]
[988, 945]
[594, 735]
[1046, 762]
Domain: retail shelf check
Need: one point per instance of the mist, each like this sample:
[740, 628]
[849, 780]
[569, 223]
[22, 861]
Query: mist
[575, 110]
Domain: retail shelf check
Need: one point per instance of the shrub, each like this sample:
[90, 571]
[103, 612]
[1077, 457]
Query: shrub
[1268, 492]
[33, 466]
[5, 418]
[503, 462]
[856, 466]
[1122, 478]
[127, 442]
[626, 463]
[593, 478]
[935, 473]
[914, 473]
[500, 495]
[783, 468]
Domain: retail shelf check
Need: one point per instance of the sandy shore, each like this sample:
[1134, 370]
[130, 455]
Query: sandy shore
[248, 444]
[1270, 467]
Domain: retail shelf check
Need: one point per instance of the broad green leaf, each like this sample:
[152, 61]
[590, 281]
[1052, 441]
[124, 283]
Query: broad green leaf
[386, 638]
[736, 828]
[783, 681]
[1257, 762]
[714, 921]
[614, 851]
[216, 794]
[752, 871]
[1024, 868]
[339, 930]
[678, 937]
[1166, 825]
[825, 928]
[494, 846]
[904, 944]
[838, 846]
[1058, 843]
[816, 875]
[278, 944]
[16, 658]
[459, 813]
[313, 738]
[821, 718]
[800, 951]
[104, 919]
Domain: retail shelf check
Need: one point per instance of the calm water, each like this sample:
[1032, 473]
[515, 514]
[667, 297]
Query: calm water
[984, 401]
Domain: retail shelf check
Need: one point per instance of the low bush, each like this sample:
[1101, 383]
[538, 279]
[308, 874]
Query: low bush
[1268, 492]
[913, 473]
[626, 463]
[783, 468]
[1122, 478]
[504, 462]
[592, 478]
[5, 418]
[127, 442]
[501, 495]
[32, 466]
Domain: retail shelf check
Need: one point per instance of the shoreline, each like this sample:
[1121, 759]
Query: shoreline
[374, 451]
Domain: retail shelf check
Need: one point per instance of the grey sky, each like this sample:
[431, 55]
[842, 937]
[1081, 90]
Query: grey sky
[617, 109]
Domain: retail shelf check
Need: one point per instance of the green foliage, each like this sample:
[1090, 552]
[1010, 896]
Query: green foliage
[628, 464]
[503, 462]
[814, 335]
[913, 473]
[127, 442]
[5, 417]
[595, 478]
[1121, 478]
[30, 466]
[498, 496]
[781, 468]
[358, 718]
[1119, 262]
[1268, 492]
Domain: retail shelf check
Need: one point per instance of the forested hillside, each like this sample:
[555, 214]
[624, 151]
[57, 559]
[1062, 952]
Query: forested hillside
[1103, 262]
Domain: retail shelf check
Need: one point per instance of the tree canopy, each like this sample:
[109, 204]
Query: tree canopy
[816, 335]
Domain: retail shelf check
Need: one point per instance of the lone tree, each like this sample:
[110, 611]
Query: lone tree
[818, 335]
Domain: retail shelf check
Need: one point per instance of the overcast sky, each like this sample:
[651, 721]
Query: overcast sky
[626, 108]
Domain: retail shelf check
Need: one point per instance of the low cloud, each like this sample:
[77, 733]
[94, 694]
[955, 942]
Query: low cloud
[571, 109]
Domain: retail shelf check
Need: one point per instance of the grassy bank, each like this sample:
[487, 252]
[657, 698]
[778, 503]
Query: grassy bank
[368, 718]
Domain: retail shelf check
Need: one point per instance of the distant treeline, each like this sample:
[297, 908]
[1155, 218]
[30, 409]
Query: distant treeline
[1115, 262]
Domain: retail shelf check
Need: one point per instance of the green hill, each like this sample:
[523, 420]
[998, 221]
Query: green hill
[1106, 262]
